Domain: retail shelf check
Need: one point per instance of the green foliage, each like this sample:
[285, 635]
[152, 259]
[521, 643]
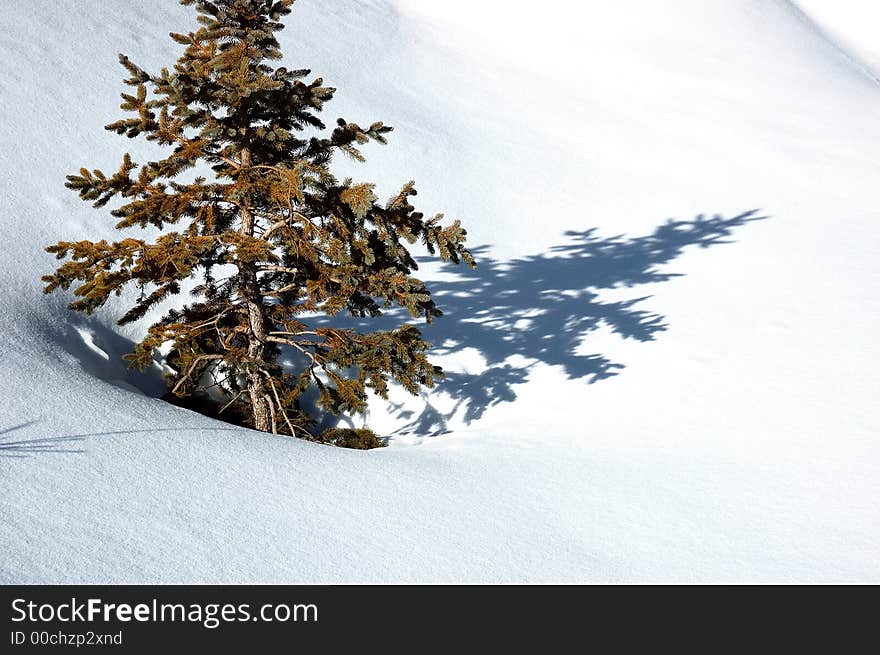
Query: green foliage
[357, 438]
[272, 238]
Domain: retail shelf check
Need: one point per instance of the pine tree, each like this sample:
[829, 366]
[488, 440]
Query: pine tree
[270, 236]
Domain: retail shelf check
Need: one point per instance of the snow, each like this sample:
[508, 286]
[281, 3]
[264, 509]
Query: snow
[851, 23]
[629, 400]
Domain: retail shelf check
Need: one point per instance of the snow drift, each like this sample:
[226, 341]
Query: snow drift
[664, 369]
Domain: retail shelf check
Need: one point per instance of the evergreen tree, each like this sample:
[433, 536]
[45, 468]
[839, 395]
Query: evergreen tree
[271, 235]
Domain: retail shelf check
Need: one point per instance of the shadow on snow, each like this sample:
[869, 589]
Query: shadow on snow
[65, 444]
[543, 307]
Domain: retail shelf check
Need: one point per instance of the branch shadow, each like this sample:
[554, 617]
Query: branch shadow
[543, 308]
[27, 447]
[49, 445]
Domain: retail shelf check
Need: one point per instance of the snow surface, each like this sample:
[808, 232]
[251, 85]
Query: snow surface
[851, 23]
[629, 400]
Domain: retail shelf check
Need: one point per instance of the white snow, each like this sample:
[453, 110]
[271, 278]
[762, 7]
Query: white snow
[724, 428]
[852, 24]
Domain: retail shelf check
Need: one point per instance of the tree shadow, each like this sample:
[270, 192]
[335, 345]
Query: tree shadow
[542, 308]
[100, 351]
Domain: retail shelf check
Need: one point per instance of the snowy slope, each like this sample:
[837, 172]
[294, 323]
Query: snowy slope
[852, 24]
[629, 401]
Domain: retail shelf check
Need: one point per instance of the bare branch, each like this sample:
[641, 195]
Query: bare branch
[192, 368]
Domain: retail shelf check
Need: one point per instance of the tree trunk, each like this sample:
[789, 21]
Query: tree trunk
[247, 277]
